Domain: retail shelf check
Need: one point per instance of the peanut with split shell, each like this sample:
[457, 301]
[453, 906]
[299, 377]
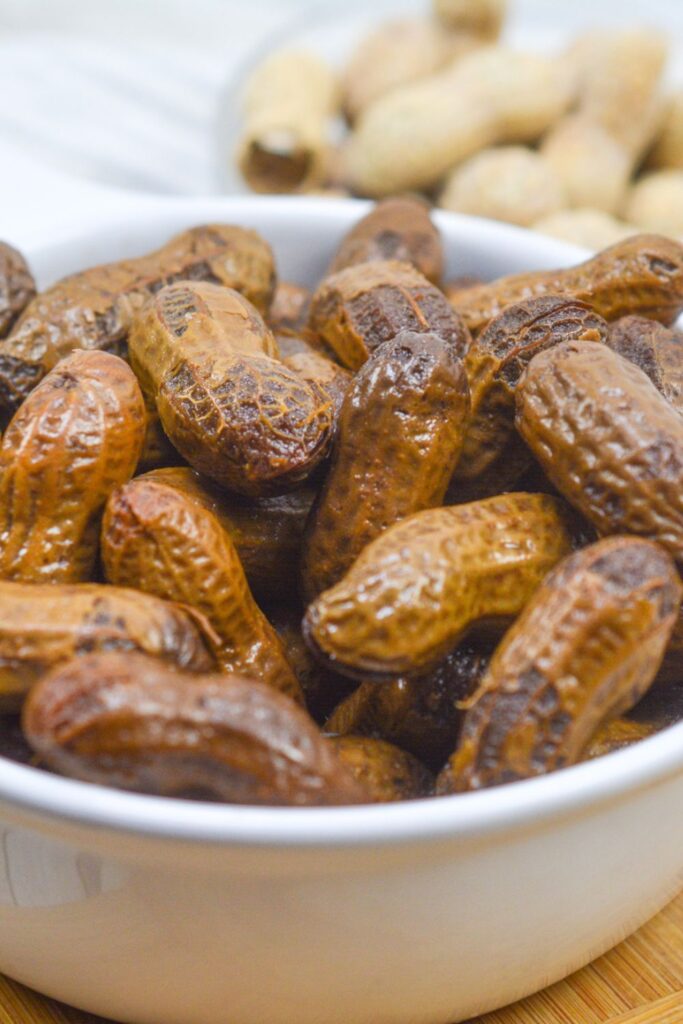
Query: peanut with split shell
[43, 625]
[385, 771]
[656, 349]
[227, 403]
[356, 309]
[586, 648]
[643, 275]
[401, 429]
[77, 436]
[607, 439]
[17, 286]
[133, 722]
[163, 542]
[415, 591]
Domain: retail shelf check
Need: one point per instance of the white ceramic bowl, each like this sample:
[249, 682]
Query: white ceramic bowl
[164, 912]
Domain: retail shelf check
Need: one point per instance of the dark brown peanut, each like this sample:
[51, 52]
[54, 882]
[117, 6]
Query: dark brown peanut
[386, 772]
[17, 286]
[399, 228]
[643, 274]
[656, 349]
[607, 439]
[585, 650]
[493, 456]
[227, 403]
[157, 450]
[356, 309]
[44, 625]
[76, 437]
[329, 376]
[401, 429]
[130, 721]
[415, 591]
[163, 542]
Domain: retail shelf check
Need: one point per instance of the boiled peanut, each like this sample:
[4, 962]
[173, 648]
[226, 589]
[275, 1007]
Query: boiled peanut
[386, 772]
[607, 439]
[76, 437]
[130, 721]
[401, 429]
[643, 275]
[226, 402]
[17, 286]
[45, 625]
[617, 735]
[584, 650]
[157, 450]
[399, 228]
[164, 542]
[414, 592]
[493, 457]
[657, 350]
[94, 309]
[330, 377]
[358, 308]
[289, 308]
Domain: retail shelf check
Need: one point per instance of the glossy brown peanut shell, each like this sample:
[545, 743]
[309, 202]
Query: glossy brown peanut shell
[493, 456]
[75, 438]
[356, 309]
[585, 650]
[95, 308]
[267, 532]
[417, 589]
[607, 439]
[400, 432]
[44, 625]
[398, 228]
[385, 771]
[130, 721]
[163, 542]
[642, 274]
[329, 376]
[227, 403]
[655, 349]
[17, 286]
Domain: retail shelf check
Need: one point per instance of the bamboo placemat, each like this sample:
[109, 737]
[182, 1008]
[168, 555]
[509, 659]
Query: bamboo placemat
[639, 982]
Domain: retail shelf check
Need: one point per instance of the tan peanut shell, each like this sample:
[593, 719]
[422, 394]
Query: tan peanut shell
[592, 167]
[95, 308]
[656, 349]
[17, 286]
[482, 17]
[226, 402]
[418, 588]
[44, 625]
[267, 532]
[385, 771]
[668, 148]
[398, 228]
[585, 650]
[358, 308]
[163, 542]
[400, 433]
[590, 228]
[130, 721]
[493, 457]
[77, 436]
[607, 439]
[655, 202]
[642, 274]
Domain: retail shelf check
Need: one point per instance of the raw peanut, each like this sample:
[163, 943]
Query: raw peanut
[412, 594]
[289, 100]
[95, 309]
[225, 401]
[593, 168]
[607, 439]
[482, 17]
[130, 721]
[399, 228]
[587, 227]
[267, 532]
[161, 541]
[358, 308]
[421, 715]
[395, 54]
[289, 308]
[584, 650]
[617, 735]
[45, 625]
[656, 349]
[509, 183]
[655, 203]
[401, 429]
[76, 437]
[493, 456]
[17, 286]
[383, 770]
[668, 147]
[411, 137]
[329, 376]
[643, 274]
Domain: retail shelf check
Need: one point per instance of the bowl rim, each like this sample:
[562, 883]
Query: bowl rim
[580, 789]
